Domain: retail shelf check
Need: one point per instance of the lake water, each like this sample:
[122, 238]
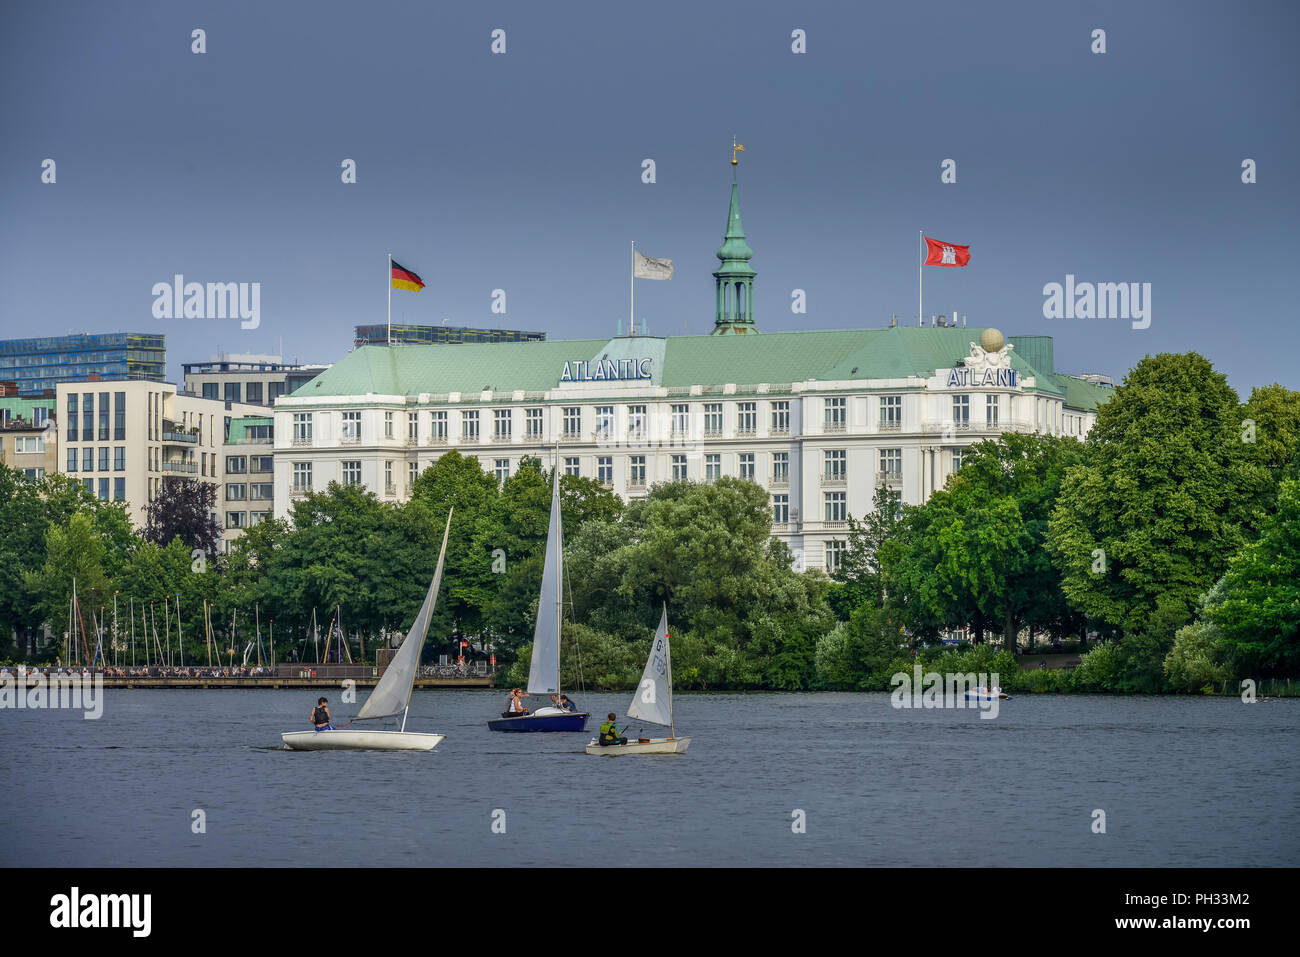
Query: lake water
[1182, 781]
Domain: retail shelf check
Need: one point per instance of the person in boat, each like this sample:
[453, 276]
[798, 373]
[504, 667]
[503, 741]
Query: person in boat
[609, 732]
[515, 706]
[567, 705]
[320, 716]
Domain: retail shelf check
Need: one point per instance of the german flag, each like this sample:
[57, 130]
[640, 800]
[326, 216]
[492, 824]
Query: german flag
[405, 279]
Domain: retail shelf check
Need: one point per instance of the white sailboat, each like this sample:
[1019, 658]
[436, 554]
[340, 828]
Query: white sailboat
[653, 702]
[544, 667]
[391, 696]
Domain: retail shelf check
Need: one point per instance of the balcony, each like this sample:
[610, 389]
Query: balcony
[433, 440]
[779, 430]
[835, 427]
[746, 431]
[300, 491]
[780, 481]
[835, 480]
[390, 490]
[180, 438]
[180, 468]
[890, 477]
[351, 438]
[891, 425]
[301, 441]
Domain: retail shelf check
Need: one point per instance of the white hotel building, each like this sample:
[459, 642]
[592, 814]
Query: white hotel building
[820, 420]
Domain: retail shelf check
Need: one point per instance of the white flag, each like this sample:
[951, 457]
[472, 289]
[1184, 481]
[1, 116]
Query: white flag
[647, 268]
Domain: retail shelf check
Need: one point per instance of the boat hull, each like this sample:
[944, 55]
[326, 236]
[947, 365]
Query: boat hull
[975, 696]
[653, 746]
[347, 740]
[566, 721]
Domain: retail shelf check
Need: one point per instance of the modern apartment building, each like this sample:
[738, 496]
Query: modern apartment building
[38, 365]
[251, 379]
[247, 496]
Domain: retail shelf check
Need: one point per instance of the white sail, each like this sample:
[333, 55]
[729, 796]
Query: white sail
[544, 671]
[653, 700]
[393, 691]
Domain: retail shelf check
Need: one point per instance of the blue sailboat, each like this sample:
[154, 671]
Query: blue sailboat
[544, 671]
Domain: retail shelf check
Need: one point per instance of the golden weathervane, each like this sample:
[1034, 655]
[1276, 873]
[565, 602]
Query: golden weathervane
[735, 148]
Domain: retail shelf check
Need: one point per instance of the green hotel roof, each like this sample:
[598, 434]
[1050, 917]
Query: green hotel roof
[239, 427]
[679, 361]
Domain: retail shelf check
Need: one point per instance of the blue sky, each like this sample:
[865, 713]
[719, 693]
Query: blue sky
[522, 171]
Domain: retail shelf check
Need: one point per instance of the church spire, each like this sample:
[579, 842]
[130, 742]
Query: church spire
[734, 278]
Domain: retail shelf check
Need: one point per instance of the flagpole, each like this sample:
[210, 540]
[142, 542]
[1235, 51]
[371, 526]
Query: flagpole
[390, 299]
[631, 285]
[920, 271]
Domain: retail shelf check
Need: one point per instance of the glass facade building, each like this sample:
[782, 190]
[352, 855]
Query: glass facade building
[38, 365]
[377, 335]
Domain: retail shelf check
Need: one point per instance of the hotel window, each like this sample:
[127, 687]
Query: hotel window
[747, 418]
[72, 416]
[780, 509]
[236, 463]
[302, 476]
[891, 413]
[837, 465]
[235, 520]
[119, 416]
[893, 502]
[437, 425]
[991, 408]
[261, 491]
[388, 475]
[835, 549]
[119, 490]
[119, 459]
[351, 472]
[352, 427]
[103, 417]
[780, 418]
[261, 463]
[501, 425]
[257, 518]
[836, 506]
[604, 422]
[413, 426]
[572, 422]
[412, 473]
[236, 492]
[469, 426]
[712, 468]
[72, 460]
[87, 459]
[961, 411]
[747, 466]
[571, 466]
[780, 468]
[636, 471]
[87, 416]
[302, 428]
[636, 423]
[957, 455]
[388, 425]
[502, 469]
[836, 414]
[891, 461]
[681, 420]
[232, 392]
[103, 490]
[712, 418]
[211, 390]
[679, 468]
[533, 423]
[253, 392]
[605, 470]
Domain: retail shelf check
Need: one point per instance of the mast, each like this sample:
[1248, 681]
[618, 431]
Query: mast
[180, 638]
[167, 626]
[115, 627]
[133, 632]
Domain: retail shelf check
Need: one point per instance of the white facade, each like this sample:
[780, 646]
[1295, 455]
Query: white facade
[819, 448]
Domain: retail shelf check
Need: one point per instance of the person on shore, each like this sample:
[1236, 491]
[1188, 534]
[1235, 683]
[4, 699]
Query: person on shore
[320, 716]
[567, 705]
[609, 732]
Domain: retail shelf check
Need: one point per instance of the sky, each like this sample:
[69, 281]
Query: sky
[522, 171]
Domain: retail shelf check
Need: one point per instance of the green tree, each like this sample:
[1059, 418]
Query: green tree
[75, 552]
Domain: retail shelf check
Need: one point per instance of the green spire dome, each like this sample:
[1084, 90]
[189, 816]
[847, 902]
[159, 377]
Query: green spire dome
[734, 278]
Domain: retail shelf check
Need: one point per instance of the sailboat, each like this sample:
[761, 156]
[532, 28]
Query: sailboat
[544, 671]
[391, 696]
[653, 702]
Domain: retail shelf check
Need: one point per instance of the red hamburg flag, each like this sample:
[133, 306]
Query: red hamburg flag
[945, 254]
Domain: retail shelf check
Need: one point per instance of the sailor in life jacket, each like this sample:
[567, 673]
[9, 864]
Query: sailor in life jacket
[320, 716]
[609, 732]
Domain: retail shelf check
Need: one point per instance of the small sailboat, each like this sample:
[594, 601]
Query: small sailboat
[653, 702]
[391, 697]
[544, 669]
